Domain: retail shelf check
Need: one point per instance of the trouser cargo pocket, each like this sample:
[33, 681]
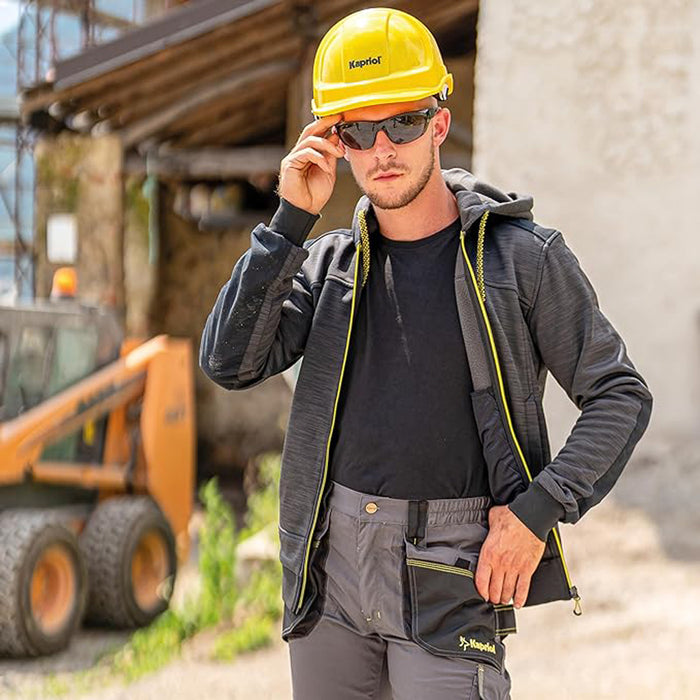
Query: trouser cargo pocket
[445, 613]
[448, 616]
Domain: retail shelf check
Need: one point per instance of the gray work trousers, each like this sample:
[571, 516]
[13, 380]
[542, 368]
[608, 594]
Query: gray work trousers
[401, 617]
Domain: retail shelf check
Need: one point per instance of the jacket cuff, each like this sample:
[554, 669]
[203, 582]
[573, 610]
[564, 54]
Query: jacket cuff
[537, 510]
[292, 222]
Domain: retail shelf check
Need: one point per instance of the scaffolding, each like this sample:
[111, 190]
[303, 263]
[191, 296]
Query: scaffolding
[45, 35]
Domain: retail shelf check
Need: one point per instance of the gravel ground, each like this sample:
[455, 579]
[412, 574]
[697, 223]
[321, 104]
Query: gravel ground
[635, 559]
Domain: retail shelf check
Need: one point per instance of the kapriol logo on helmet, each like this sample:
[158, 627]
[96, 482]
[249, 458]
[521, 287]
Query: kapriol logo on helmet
[362, 62]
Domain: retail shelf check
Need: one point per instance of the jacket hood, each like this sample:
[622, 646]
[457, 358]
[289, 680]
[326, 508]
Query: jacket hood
[474, 197]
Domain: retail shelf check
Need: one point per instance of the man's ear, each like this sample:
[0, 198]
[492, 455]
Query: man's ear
[442, 121]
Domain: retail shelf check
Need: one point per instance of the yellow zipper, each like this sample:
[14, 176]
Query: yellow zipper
[435, 566]
[330, 433]
[496, 361]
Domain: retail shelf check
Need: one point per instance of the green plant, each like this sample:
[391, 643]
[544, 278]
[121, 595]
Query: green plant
[260, 604]
[153, 646]
[217, 558]
[254, 633]
[262, 505]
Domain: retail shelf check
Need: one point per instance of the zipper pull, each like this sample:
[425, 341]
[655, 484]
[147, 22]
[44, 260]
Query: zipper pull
[577, 601]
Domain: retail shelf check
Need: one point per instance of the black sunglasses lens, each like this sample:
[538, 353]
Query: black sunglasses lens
[358, 135]
[405, 128]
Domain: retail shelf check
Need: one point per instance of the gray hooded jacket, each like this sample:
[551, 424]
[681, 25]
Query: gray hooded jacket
[526, 308]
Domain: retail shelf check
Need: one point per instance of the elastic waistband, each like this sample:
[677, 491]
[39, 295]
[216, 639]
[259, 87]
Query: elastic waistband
[396, 510]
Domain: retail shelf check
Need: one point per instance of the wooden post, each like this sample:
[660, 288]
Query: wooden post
[299, 95]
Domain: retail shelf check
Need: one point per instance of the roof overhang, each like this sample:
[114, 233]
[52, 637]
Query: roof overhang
[210, 74]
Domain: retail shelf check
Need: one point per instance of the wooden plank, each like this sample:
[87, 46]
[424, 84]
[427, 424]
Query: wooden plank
[440, 17]
[210, 123]
[299, 96]
[190, 65]
[159, 99]
[238, 80]
[251, 131]
[210, 163]
[238, 130]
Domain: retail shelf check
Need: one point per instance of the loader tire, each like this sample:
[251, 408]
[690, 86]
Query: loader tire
[43, 583]
[129, 549]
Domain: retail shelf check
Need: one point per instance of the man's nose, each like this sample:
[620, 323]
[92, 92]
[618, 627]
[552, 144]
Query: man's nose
[383, 147]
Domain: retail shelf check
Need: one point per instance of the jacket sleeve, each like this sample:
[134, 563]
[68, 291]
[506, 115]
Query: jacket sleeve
[262, 316]
[589, 360]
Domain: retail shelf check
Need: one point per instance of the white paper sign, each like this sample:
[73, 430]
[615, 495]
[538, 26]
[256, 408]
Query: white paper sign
[62, 238]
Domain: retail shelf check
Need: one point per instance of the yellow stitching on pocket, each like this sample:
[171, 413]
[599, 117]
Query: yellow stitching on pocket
[445, 568]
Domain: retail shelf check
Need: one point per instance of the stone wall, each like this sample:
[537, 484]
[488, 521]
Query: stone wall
[594, 108]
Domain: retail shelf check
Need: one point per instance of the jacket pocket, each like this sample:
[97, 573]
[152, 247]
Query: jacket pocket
[448, 617]
[506, 479]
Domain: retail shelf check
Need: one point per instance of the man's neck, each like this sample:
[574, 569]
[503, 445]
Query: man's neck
[432, 210]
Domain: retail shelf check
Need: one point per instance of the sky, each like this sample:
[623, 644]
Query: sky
[8, 15]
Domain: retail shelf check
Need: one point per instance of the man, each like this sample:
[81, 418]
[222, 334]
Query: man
[418, 500]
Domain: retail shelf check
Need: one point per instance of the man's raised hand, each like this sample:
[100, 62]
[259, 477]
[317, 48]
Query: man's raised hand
[308, 171]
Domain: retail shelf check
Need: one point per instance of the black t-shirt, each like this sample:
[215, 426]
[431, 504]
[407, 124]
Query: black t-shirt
[405, 426]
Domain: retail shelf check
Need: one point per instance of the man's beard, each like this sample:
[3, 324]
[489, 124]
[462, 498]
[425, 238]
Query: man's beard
[396, 200]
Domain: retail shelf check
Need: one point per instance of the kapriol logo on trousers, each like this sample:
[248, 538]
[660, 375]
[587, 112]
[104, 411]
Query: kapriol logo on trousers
[472, 643]
[362, 62]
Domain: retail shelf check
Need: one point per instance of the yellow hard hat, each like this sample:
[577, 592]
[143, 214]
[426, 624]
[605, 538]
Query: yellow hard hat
[376, 56]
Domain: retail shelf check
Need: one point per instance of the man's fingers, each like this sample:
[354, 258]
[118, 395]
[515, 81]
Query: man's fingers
[319, 144]
[521, 590]
[496, 586]
[299, 159]
[319, 126]
[509, 583]
[482, 578]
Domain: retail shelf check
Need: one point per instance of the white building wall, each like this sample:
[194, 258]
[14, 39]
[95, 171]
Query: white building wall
[594, 108]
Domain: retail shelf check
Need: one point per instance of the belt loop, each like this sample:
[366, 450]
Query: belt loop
[417, 520]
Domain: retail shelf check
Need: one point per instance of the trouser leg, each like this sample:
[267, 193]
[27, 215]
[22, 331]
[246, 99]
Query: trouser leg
[335, 663]
[360, 647]
[415, 674]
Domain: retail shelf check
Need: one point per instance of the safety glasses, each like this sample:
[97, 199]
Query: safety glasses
[401, 128]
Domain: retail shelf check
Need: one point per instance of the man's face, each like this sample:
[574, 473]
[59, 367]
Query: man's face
[413, 162]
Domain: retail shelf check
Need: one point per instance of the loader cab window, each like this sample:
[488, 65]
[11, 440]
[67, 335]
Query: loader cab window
[74, 357]
[28, 370]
